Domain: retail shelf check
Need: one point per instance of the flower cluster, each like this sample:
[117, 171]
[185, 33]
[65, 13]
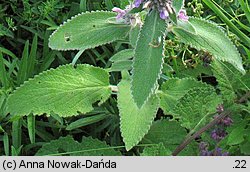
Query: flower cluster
[216, 152]
[125, 17]
[217, 134]
[164, 7]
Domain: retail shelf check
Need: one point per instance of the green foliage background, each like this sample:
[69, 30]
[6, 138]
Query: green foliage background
[25, 27]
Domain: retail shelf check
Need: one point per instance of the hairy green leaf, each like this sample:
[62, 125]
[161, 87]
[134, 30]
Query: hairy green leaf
[87, 30]
[174, 89]
[211, 38]
[133, 35]
[245, 148]
[121, 60]
[162, 132]
[122, 55]
[195, 108]
[65, 91]
[148, 58]
[236, 136]
[135, 122]
[157, 150]
[68, 146]
[121, 65]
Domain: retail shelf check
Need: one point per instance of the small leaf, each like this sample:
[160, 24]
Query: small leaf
[68, 146]
[211, 38]
[87, 30]
[237, 134]
[148, 58]
[122, 55]
[65, 91]
[121, 60]
[121, 65]
[135, 122]
[174, 89]
[193, 108]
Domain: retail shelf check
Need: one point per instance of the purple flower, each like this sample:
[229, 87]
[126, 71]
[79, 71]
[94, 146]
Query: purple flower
[164, 14]
[203, 147]
[205, 153]
[220, 108]
[224, 122]
[218, 152]
[183, 15]
[120, 13]
[218, 134]
[137, 3]
[227, 121]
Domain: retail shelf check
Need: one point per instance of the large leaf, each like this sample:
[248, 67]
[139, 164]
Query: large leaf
[135, 122]
[148, 58]
[68, 146]
[65, 91]
[196, 107]
[87, 30]
[209, 37]
[174, 89]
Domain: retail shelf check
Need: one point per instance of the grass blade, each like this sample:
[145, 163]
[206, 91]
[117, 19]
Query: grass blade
[31, 127]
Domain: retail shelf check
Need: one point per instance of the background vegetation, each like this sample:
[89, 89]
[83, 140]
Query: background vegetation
[25, 26]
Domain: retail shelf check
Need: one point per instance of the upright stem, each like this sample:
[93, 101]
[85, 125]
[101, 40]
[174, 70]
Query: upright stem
[198, 133]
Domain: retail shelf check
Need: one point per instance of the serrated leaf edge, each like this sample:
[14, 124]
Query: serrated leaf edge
[69, 20]
[156, 85]
[46, 72]
[221, 29]
[146, 129]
